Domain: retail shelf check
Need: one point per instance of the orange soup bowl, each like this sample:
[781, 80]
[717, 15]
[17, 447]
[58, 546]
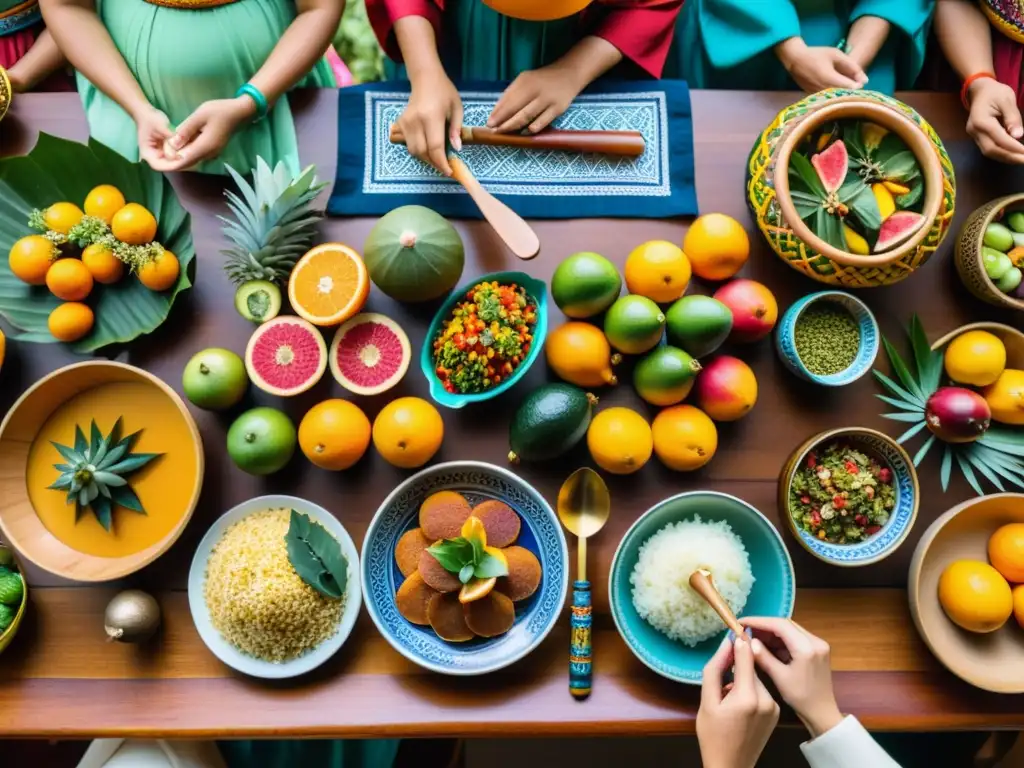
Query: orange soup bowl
[42, 526]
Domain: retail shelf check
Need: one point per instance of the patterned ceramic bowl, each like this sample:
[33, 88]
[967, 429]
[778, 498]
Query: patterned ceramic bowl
[785, 342]
[535, 289]
[969, 264]
[875, 548]
[541, 534]
[773, 592]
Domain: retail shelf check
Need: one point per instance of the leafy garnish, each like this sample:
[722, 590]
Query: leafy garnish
[316, 556]
[467, 556]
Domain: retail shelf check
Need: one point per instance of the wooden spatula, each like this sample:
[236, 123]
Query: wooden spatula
[510, 226]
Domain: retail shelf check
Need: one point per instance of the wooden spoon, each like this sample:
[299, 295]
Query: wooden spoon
[701, 583]
[510, 226]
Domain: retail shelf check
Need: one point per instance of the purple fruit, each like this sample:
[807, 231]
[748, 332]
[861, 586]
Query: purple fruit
[957, 415]
[1019, 293]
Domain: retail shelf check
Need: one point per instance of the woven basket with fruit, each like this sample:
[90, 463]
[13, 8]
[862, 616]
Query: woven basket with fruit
[851, 188]
[990, 252]
[1007, 16]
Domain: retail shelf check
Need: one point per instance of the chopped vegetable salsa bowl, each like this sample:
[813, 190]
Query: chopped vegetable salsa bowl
[484, 338]
[850, 496]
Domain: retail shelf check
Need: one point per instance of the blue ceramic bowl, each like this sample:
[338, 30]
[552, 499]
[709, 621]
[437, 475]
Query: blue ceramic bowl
[772, 595]
[878, 547]
[535, 289]
[869, 338]
[541, 533]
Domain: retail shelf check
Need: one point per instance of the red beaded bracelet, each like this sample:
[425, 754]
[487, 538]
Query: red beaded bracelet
[967, 84]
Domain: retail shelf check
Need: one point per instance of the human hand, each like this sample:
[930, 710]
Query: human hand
[994, 121]
[535, 98]
[204, 134]
[734, 722]
[154, 129]
[815, 68]
[433, 103]
[800, 666]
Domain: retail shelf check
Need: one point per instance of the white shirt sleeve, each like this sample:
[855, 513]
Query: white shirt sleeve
[847, 745]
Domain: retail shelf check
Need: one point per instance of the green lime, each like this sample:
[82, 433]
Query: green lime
[666, 376]
[585, 284]
[215, 379]
[998, 236]
[261, 441]
[996, 263]
[698, 324]
[634, 324]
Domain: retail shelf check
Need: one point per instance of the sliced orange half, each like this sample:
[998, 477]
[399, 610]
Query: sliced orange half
[477, 589]
[329, 284]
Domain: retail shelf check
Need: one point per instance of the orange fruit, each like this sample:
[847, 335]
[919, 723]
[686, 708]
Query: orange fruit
[658, 270]
[102, 264]
[1006, 551]
[69, 279]
[30, 258]
[620, 440]
[329, 284]
[685, 438]
[134, 225]
[61, 217]
[70, 321]
[1018, 604]
[334, 434]
[476, 589]
[160, 272]
[104, 201]
[717, 246]
[408, 432]
[975, 596]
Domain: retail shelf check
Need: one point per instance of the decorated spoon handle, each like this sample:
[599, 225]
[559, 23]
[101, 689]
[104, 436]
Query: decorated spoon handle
[579, 649]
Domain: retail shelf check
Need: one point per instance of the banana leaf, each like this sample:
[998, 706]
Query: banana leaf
[58, 169]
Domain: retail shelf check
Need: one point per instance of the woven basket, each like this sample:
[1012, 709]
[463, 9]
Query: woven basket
[6, 92]
[969, 263]
[1005, 15]
[794, 242]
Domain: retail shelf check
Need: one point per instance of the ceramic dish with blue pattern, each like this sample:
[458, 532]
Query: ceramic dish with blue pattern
[884, 542]
[785, 338]
[772, 594]
[540, 533]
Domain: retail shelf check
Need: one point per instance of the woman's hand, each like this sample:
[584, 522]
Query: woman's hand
[815, 68]
[204, 134]
[535, 98]
[434, 104]
[154, 129]
[995, 121]
[800, 666]
[735, 721]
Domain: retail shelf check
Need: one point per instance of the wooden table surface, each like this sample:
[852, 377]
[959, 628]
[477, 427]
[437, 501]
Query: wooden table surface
[60, 678]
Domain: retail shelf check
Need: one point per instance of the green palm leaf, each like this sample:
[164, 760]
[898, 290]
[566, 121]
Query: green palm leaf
[923, 451]
[988, 473]
[902, 404]
[903, 372]
[947, 466]
[929, 364]
[912, 431]
[965, 467]
[909, 417]
[896, 389]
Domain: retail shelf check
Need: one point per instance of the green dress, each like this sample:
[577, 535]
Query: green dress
[183, 58]
[350, 753]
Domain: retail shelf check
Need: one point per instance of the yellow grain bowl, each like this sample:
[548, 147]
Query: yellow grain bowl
[793, 240]
[969, 264]
[8, 634]
[6, 92]
[1005, 15]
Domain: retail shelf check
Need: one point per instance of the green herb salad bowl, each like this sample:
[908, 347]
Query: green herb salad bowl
[10, 561]
[535, 289]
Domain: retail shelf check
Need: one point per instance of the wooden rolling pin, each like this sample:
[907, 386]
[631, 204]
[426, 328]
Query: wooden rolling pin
[622, 143]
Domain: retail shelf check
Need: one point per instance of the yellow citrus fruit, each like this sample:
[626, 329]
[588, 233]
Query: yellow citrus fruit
[70, 321]
[886, 202]
[69, 279]
[334, 434]
[476, 589]
[855, 243]
[976, 358]
[104, 201]
[580, 353]
[161, 272]
[975, 596]
[685, 438]
[717, 246]
[1005, 396]
[30, 259]
[1018, 604]
[620, 440]
[1006, 551]
[102, 264]
[61, 217]
[408, 432]
[658, 270]
[134, 225]
[329, 284]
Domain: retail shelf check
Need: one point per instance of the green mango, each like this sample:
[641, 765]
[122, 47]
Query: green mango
[698, 324]
[996, 263]
[1016, 221]
[998, 236]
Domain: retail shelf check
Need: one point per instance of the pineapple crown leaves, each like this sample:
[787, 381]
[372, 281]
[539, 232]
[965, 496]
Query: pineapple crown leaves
[997, 456]
[95, 470]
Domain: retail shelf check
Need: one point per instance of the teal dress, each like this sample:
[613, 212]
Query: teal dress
[728, 43]
[182, 58]
[370, 753]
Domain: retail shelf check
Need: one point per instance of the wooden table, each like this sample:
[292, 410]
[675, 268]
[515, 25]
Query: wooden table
[61, 679]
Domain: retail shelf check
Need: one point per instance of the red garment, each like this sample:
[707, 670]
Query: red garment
[17, 44]
[1008, 57]
[641, 29]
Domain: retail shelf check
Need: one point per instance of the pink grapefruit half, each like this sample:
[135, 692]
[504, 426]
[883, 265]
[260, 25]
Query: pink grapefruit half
[370, 354]
[286, 356]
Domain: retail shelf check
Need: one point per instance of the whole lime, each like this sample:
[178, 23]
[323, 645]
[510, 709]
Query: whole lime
[585, 284]
[214, 379]
[261, 441]
[634, 324]
[698, 324]
[665, 376]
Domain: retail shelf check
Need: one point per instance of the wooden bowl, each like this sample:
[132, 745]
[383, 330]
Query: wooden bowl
[7, 635]
[969, 264]
[1012, 339]
[991, 661]
[169, 491]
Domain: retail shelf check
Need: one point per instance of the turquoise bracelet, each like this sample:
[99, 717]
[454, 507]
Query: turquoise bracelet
[258, 98]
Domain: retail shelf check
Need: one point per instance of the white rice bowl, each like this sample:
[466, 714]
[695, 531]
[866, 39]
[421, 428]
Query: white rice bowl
[661, 578]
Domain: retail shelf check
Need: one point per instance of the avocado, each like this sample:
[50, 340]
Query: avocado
[258, 300]
[550, 421]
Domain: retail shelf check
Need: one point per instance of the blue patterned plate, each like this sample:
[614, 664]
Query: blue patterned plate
[541, 534]
[896, 529]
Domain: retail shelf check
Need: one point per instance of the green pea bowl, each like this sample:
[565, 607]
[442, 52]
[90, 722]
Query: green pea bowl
[785, 338]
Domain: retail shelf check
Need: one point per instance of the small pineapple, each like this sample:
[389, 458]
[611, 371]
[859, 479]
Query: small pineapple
[273, 223]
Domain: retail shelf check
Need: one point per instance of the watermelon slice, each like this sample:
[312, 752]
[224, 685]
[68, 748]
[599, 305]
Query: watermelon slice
[897, 228]
[286, 356]
[832, 165]
[370, 354]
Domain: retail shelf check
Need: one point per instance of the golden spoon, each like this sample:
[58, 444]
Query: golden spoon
[701, 583]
